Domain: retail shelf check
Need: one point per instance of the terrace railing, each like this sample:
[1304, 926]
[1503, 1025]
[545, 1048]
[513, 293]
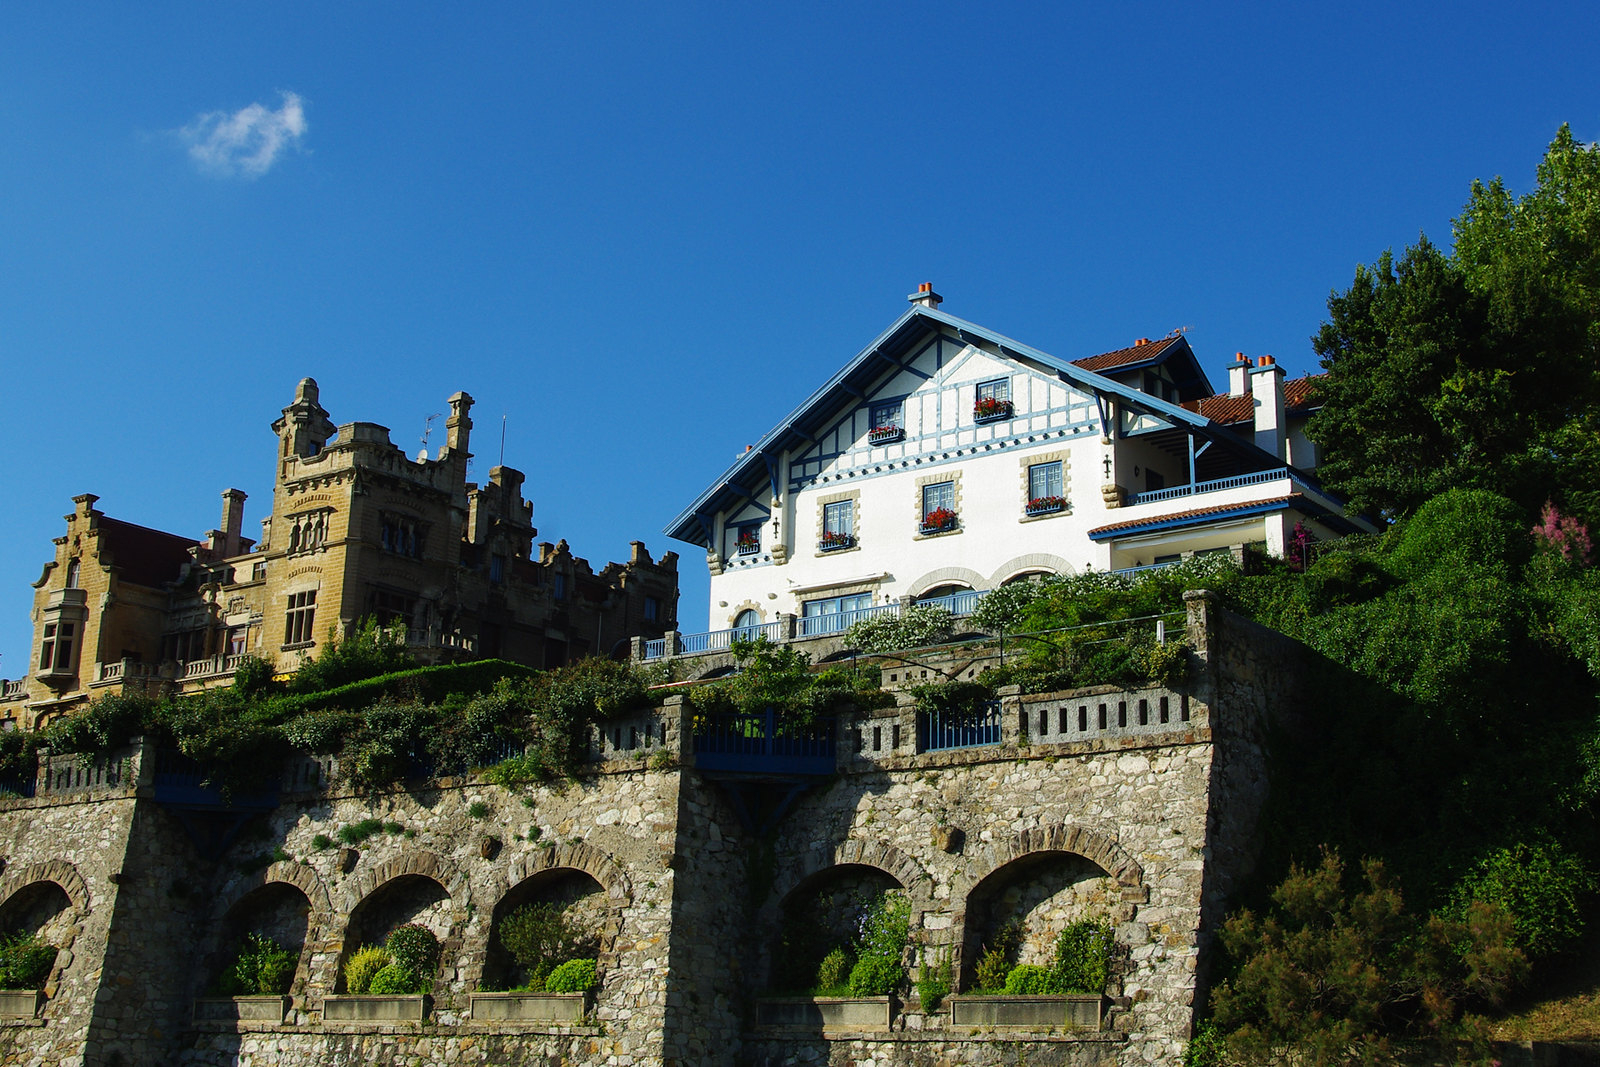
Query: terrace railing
[839, 621]
[1213, 486]
[941, 730]
[961, 603]
[719, 640]
[764, 743]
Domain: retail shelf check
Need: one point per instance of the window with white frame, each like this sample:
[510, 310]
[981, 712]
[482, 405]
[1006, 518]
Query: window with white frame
[299, 626]
[833, 614]
[887, 415]
[1044, 481]
[998, 389]
[838, 521]
[55, 651]
[939, 505]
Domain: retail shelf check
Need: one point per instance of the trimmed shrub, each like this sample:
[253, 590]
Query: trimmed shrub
[414, 948]
[875, 976]
[360, 968]
[538, 937]
[395, 979]
[574, 976]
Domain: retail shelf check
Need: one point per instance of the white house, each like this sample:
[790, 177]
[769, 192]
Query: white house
[945, 459]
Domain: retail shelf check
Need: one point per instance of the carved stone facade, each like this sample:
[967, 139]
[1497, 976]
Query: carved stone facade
[357, 529]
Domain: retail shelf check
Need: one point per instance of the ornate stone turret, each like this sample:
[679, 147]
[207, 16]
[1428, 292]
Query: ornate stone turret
[305, 426]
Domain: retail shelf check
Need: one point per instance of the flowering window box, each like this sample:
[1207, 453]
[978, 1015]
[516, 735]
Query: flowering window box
[832, 542]
[882, 435]
[939, 520]
[748, 546]
[1046, 505]
[988, 409]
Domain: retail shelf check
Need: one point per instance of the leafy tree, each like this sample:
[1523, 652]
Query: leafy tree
[1478, 368]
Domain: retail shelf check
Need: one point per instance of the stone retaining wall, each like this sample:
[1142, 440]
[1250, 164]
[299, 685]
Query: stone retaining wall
[689, 877]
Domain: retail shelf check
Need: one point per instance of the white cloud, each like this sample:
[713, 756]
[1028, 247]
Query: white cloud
[247, 142]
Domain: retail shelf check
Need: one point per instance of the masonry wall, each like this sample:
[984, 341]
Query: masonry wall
[1146, 817]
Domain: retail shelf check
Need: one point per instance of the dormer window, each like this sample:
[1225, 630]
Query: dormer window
[993, 401]
[887, 422]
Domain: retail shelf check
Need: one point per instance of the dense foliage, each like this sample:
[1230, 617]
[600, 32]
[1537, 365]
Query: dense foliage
[780, 677]
[385, 729]
[25, 961]
[260, 967]
[915, 627]
[540, 938]
[1476, 368]
[404, 964]
[867, 962]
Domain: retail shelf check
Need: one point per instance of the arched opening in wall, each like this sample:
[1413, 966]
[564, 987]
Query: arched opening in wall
[949, 589]
[1018, 912]
[1029, 576]
[262, 939]
[821, 916]
[719, 672]
[410, 900]
[547, 919]
[37, 920]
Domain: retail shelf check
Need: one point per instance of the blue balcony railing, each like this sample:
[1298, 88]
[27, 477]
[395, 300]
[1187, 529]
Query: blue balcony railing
[719, 640]
[938, 730]
[763, 743]
[838, 622]
[655, 649]
[961, 603]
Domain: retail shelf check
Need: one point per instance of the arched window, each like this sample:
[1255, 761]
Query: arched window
[747, 626]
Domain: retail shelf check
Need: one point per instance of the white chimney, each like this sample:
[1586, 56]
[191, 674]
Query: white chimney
[1238, 374]
[1266, 389]
[925, 296]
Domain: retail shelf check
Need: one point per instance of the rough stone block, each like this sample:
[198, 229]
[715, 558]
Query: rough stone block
[528, 1007]
[370, 1009]
[1032, 1013]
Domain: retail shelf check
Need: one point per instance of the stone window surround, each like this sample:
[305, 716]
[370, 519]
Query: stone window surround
[1064, 457]
[740, 609]
[952, 476]
[822, 502]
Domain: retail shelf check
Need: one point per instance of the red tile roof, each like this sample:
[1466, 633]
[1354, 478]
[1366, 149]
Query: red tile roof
[141, 555]
[1227, 410]
[1124, 356]
[1196, 513]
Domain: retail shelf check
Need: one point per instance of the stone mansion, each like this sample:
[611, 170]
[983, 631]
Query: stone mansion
[356, 529]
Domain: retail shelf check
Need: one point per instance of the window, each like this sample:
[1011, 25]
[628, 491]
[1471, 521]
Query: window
[652, 609]
[558, 586]
[308, 530]
[1044, 480]
[993, 400]
[237, 640]
[55, 651]
[838, 524]
[497, 568]
[72, 572]
[389, 608]
[746, 625]
[401, 535]
[747, 539]
[886, 422]
[938, 506]
[999, 389]
[300, 625]
[833, 614]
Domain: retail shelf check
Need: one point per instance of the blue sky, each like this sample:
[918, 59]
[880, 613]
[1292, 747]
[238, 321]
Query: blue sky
[643, 232]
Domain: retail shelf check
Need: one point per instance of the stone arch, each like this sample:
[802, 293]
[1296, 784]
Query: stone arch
[900, 866]
[557, 875]
[1059, 837]
[421, 862]
[1030, 561]
[1052, 852]
[60, 872]
[946, 576]
[576, 855]
[302, 876]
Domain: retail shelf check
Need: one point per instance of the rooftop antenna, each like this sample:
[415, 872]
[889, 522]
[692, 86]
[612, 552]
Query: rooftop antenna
[1179, 331]
[427, 428]
[502, 439]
